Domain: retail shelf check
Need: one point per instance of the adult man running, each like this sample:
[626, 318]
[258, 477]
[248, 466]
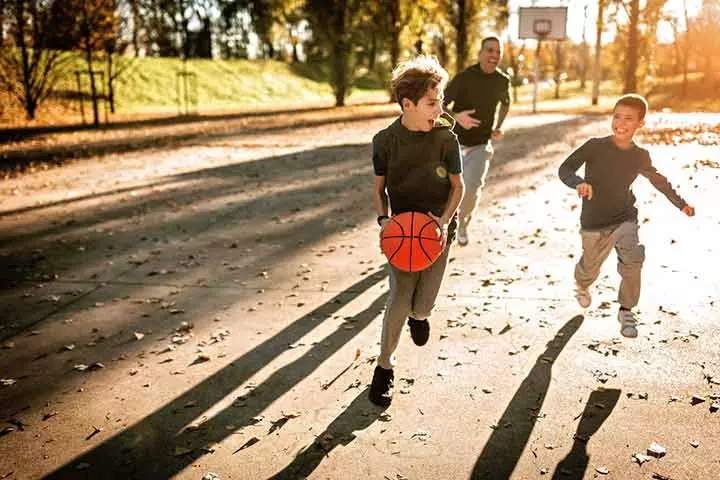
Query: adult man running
[475, 94]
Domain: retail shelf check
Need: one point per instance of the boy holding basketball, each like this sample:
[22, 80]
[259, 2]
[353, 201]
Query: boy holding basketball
[609, 217]
[417, 169]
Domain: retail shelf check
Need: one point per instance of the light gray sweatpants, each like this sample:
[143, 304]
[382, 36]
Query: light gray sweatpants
[412, 294]
[476, 163]
[596, 246]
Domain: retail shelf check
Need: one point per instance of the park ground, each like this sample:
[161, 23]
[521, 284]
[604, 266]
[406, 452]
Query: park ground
[204, 299]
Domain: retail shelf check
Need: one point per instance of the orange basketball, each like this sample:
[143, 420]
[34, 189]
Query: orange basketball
[411, 241]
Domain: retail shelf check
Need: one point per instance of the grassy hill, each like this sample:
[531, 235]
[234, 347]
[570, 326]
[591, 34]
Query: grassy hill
[149, 86]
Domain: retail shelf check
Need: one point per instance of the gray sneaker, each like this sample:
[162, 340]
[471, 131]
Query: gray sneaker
[628, 323]
[462, 237]
[583, 297]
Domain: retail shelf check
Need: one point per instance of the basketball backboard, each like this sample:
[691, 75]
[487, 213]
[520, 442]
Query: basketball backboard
[546, 23]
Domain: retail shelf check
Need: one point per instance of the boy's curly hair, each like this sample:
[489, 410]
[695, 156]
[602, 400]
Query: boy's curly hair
[633, 100]
[413, 78]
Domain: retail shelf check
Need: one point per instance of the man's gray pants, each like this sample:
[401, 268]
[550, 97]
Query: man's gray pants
[476, 163]
[596, 246]
[412, 294]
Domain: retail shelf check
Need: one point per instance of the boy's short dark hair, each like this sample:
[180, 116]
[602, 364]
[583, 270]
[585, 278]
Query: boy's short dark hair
[490, 39]
[633, 100]
[413, 78]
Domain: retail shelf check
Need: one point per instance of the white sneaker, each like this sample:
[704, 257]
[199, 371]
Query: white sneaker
[628, 323]
[583, 297]
[462, 237]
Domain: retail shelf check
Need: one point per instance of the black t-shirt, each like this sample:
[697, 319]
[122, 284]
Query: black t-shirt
[611, 172]
[475, 89]
[416, 166]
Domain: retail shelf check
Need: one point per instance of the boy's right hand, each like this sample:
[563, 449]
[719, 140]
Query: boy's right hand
[382, 227]
[584, 190]
[465, 120]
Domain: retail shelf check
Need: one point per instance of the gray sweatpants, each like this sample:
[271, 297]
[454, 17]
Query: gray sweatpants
[476, 163]
[596, 246]
[412, 294]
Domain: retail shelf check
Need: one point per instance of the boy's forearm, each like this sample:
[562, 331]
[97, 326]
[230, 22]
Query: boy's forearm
[456, 195]
[381, 203]
[568, 171]
[662, 184]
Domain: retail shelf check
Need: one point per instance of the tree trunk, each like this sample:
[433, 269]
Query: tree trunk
[686, 53]
[372, 52]
[30, 104]
[394, 10]
[295, 56]
[597, 73]
[559, 64]
[339, 73]
[87, 34]
[632, 52]
[111, 89]
[461, 31]
[136, 26]
[584, 52]
[340, 58]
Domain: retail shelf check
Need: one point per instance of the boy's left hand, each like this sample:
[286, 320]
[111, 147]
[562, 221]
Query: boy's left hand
[689, 211]
[443, 227]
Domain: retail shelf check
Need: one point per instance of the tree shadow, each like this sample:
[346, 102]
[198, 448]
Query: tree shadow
[598, 407]
[17, 157]
[509, 438]
[27, 133]
[145, 450]
[359, 415]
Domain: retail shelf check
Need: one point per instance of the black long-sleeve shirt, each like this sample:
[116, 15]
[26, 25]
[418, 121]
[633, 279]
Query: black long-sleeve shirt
[611, 171]
[474, 89]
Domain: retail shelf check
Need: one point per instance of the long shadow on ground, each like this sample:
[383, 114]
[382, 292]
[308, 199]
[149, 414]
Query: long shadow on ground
[599, 406]
[507, 442]
[145, 450]
[359, 415]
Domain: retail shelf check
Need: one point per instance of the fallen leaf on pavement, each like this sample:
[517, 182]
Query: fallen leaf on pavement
[247, 444]
[180, 451]
[656, 450]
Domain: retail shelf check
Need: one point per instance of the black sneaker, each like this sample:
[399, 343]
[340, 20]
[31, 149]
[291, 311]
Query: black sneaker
[381, 388]
[419, 331]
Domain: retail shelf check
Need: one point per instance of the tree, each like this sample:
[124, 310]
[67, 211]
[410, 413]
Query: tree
[333, 21]
[28, 68]
[597, 69]
[631, 58]
[90, 26]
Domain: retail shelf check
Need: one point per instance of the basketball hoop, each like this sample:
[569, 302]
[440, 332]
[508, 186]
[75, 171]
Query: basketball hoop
[542, 27]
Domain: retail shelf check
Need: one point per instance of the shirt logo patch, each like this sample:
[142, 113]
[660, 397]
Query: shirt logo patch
[441, 172]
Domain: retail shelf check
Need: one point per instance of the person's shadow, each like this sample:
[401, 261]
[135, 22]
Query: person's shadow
[597, 409]
[509, 438]
[359, 415]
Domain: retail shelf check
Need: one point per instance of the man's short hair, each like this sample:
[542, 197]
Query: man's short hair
[633, 100]
[413, 78]
[490, 39]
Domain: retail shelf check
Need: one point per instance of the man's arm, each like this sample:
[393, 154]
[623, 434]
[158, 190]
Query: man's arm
[451, 92]
[502, 113]
[568, 169]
